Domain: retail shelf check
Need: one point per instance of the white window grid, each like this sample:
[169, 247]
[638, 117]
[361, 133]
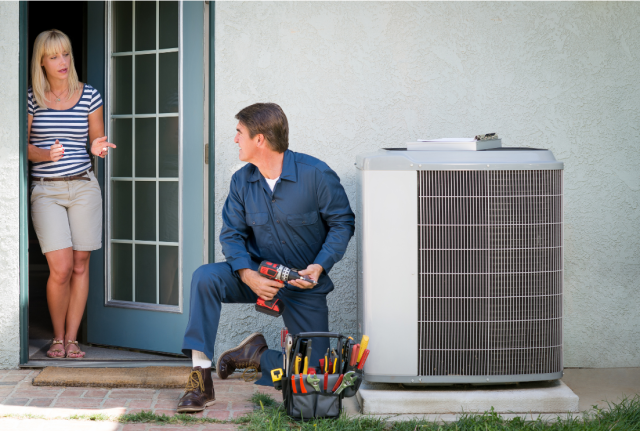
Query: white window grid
[133, 179]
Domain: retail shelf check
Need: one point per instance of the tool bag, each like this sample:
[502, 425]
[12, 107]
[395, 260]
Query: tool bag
[307, 402]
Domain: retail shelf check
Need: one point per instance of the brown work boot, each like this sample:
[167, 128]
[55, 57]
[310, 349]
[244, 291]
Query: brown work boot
[246, 354]
[199, 392]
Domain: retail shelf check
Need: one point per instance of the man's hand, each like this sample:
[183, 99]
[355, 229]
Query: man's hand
[313, 271]
[261, 286]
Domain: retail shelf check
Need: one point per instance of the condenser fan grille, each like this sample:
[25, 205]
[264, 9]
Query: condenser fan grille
[490, 262]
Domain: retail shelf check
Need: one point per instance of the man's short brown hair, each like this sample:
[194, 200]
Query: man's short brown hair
[269, 120]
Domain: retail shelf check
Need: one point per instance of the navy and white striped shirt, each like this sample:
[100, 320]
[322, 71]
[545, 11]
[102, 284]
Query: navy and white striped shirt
[70, 127]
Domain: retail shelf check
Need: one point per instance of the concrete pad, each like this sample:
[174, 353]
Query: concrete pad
[351, 407]
[598, 386]
[543, 397]
[450, 418]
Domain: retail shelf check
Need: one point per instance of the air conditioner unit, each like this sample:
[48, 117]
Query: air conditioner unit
[460, 264]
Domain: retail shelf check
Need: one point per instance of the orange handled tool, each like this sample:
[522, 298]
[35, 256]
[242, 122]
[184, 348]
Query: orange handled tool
[353, 357]
[302, 388]
[293, 383]
[337, 385]
[365, 355]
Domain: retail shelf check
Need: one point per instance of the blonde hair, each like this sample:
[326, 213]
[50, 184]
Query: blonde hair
[48, 43]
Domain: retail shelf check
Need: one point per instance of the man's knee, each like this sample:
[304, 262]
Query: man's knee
[209, 279]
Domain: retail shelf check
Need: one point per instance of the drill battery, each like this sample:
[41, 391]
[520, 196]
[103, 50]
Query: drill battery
[274, 308]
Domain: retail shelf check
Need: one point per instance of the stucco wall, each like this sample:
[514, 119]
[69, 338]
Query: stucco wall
[9, 177]
[354, 77]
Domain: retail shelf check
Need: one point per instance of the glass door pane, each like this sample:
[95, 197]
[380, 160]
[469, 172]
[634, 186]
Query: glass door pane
[144, 171]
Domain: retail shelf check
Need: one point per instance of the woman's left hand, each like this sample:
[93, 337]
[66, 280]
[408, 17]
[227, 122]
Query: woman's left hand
[100, 147]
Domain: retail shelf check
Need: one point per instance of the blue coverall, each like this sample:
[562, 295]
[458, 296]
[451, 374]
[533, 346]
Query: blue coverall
[306, 219]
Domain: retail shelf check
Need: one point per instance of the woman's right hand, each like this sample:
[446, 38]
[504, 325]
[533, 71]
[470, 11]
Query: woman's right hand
[56, 151]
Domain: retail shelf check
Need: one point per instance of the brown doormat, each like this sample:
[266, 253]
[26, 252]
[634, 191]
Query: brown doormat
[147, 377]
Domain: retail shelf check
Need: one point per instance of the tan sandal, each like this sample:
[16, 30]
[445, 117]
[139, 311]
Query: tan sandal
[56, 354]
[79, 353]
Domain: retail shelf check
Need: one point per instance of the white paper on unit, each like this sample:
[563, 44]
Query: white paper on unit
[447, 140]
[453, 144]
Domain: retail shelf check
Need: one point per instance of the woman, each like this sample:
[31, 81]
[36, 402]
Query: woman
[66, 204]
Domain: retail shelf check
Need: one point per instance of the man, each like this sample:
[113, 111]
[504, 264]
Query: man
[285, 207]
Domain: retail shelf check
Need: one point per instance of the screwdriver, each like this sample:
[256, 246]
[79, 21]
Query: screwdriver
[283, 343]
[283, 338]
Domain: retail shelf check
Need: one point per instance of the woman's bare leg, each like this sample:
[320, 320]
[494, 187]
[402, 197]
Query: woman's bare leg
[58, 291]
[78, 297]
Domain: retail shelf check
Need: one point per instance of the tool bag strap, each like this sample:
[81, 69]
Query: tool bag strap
[319, 335]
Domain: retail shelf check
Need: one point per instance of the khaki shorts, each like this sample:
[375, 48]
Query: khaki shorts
[67, 214]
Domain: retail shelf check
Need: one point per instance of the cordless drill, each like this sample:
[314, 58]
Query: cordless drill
[281, 274]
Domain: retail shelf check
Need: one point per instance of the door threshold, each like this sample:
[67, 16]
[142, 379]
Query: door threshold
[100, 354]
[73, 363]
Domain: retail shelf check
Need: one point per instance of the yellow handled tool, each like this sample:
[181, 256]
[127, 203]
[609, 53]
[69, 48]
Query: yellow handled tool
[307, 358]
[296, 364]
[363, 346]
[276, 375]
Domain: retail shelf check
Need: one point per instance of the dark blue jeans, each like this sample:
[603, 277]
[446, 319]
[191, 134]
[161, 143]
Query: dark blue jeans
[216, 283]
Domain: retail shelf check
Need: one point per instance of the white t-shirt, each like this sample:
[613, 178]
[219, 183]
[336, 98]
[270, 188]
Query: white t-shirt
[272, 183]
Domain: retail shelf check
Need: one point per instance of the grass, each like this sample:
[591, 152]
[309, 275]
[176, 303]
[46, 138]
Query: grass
[624, 416]
[178, 419]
